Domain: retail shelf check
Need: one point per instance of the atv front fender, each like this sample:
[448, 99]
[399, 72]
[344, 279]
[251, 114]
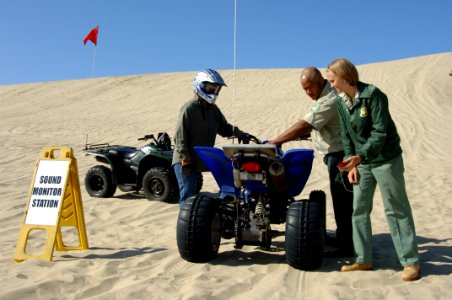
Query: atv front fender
[220, 166]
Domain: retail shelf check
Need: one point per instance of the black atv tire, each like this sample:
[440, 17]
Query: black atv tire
[199, 229]
[158, 185]
[99, 182]
[305, 226]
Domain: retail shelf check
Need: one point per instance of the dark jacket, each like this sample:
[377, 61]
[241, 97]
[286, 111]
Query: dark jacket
[198, 126]
[367, 129]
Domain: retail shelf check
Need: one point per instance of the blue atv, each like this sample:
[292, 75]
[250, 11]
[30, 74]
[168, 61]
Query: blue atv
[258, 184]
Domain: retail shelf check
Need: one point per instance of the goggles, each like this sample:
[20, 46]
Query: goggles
[212, 88]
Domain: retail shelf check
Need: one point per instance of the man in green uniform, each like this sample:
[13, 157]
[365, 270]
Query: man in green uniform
[322, 122]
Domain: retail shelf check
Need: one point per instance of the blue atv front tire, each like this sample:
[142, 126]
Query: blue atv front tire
[305, 226]
[199, 229]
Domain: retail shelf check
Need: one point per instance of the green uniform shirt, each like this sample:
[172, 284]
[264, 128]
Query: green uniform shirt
[198, 126]
[367, 128]
[325, 120]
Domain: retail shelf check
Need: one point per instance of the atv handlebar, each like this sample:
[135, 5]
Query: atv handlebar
[147, 137]
[163, 140]
[246, 138]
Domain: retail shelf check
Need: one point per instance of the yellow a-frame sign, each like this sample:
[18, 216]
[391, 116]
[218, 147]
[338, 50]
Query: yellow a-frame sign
[54, 201]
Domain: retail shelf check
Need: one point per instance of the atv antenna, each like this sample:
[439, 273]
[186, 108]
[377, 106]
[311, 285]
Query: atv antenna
[235, 63]
[86, 143]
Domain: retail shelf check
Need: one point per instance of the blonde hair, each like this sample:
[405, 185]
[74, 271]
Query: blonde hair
[345, 69]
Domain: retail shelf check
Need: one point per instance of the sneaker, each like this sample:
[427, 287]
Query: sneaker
[411, 272]
[356, 267]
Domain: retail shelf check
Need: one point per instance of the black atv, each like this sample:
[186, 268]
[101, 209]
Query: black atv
[131, 169]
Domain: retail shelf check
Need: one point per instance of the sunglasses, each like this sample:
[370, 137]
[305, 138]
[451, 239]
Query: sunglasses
[211, 88]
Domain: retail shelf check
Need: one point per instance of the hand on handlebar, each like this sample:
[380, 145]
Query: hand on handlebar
[243, 137]
[246, 138]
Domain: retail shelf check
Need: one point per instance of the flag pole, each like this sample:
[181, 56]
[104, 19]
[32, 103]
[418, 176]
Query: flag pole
[94, 61]
[92, 36]
[235, 59]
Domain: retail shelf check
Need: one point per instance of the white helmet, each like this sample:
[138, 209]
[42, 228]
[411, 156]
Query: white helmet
[204, 77]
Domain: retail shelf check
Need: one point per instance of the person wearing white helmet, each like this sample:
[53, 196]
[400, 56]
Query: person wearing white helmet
[207, 85]
[200, 120]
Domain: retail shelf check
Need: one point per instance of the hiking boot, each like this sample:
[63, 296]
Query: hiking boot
[356, 267]
[411, 272]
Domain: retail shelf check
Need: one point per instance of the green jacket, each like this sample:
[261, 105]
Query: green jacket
[367, 128]
[198, 126]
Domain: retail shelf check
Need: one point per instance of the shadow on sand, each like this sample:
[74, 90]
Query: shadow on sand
[117, 253]
[435, 256]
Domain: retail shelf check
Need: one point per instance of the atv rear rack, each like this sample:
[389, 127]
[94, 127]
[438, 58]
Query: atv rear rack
[103, 146]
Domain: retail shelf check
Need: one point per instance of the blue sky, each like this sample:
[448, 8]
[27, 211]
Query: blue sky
[43, 40]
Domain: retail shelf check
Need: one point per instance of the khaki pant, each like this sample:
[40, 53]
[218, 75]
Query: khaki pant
[390, 180]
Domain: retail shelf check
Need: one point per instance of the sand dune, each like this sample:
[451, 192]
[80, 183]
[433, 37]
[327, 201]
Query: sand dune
[133, 252]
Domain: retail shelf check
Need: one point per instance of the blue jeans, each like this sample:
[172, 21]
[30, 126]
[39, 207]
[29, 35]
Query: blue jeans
[187, 183]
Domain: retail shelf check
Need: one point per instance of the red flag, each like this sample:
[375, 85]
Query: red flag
[92, 36]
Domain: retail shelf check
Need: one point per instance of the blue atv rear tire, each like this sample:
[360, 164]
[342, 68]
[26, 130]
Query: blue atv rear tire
[199, 229]
[305, 226]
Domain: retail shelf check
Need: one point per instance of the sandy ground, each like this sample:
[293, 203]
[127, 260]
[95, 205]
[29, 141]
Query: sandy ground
[133, 252]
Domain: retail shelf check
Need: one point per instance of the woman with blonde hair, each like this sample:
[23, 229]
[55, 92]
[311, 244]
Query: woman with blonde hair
[373, 156]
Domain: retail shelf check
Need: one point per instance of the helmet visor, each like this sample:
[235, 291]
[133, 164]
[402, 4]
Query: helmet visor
[212, 88]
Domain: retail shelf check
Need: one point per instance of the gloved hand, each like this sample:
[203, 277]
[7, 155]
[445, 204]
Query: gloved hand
[186, 166]
[243, 137]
